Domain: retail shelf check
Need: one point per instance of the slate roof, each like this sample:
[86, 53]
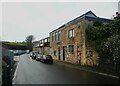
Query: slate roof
[88, 16]
[97, 19]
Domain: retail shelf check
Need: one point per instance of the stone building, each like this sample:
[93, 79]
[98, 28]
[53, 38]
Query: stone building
[68, 42]
[42, 46]
[45, 46]
[36, 46]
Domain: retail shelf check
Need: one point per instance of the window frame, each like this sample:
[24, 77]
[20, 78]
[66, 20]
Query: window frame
[53, 37]
[59, 34]
[71, 33]
[71, 48]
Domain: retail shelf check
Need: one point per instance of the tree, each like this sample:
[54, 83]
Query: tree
[29, 39]
[105, 39]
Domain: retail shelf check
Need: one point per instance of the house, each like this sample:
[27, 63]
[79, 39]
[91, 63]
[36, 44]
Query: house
[45, 46]
[42, 46]
[68, 42]
[36, 46]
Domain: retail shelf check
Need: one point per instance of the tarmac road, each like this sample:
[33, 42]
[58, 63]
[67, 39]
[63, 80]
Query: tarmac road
[31, 71]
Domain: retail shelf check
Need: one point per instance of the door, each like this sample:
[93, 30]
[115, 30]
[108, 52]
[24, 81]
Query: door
[59, 53]
[64, 53]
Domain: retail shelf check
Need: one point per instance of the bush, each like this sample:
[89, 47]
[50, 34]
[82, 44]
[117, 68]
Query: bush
[105, 39]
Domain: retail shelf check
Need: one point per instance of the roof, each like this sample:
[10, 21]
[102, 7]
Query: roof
[89, 13]
[44, 38]
[97, 19]
[88, 16]
[36, 42]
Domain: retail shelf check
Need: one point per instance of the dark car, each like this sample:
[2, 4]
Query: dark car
[46, 59]
[34, 54]
[39, 56]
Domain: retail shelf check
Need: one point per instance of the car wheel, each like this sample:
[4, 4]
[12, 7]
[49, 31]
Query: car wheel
[51, 62]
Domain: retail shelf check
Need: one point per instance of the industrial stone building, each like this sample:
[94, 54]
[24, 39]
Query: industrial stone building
[42, 46]
[36, 46]
[68, 42]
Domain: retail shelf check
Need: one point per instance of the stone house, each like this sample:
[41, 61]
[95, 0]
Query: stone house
[42, 46]
[68, 42]
[36, 46]
[45, 46]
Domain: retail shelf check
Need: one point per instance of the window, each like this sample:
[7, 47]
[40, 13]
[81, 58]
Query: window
[45, 40]
[53, 35]
[42, 41]
[71, 48]
[48, 39]
[71, 33]
[79, 26]
[59, 35]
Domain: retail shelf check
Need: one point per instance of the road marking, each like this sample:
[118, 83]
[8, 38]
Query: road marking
[0, 80]
[15, 73]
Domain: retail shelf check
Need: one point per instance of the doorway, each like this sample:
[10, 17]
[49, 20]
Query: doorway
[59, 53]
[64, 52]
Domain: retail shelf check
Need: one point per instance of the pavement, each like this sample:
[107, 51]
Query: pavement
[85, 69]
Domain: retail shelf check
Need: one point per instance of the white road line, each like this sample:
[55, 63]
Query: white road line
[0, 80]
[15, 73]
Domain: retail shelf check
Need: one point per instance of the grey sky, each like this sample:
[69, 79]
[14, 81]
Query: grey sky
[20, 19]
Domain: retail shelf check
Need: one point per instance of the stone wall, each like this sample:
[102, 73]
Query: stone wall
[82, 54]
[92, 57]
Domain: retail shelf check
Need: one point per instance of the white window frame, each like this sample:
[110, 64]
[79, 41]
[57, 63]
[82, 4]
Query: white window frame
[71, 33]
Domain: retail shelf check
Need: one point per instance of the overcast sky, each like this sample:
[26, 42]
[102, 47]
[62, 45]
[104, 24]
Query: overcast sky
[20, 19]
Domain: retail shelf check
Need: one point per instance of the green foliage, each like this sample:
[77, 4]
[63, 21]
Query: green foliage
[29, 39]
[97, 23]
[105, 38]
[15, 43]
[112, 45]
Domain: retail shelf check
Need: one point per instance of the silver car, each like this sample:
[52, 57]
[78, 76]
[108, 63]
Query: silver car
[39, 56]
[34, 54]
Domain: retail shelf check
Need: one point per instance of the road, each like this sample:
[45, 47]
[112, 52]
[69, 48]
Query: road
[30, 71]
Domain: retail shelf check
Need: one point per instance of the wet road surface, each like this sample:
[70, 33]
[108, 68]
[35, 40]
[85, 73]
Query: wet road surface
[31, 71]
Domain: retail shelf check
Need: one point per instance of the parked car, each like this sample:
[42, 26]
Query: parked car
[27, 51]
[46, 59]
[39, 56]
[34, 54]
